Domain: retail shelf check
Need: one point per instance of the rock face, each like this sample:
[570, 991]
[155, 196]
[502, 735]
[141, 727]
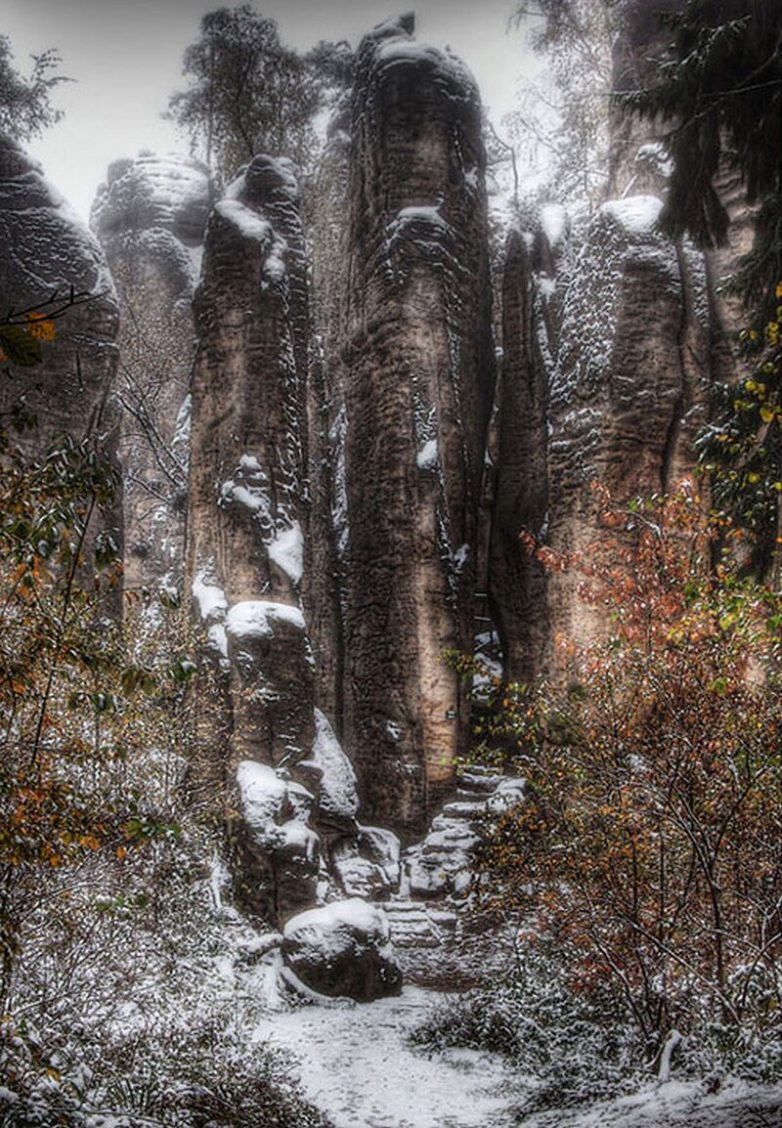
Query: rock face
[630, 385]
[45, 248]
[417, 374]
[609, 356]
[518, 585]
[248, 496]
[324, 585]
[150, 218]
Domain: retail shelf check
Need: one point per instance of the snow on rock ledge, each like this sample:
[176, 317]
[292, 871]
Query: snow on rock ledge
[638, 215]
[338, 796]
[343, 949]
[259, 618]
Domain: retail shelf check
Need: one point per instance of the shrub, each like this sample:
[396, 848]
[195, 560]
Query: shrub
[648, 849]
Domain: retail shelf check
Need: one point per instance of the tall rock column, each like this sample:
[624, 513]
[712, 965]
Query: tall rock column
[517, 582]
[630, 385]
[325, 582]
[247, 521]
[45, 248]
[418, 378]
[150, 217]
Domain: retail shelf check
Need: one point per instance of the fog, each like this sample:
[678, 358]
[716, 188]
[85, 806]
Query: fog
[125, 59]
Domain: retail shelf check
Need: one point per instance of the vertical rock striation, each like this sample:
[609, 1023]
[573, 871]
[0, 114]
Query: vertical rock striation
[325, 581]
[150, 218]
[417, 374]
[517, 582]
[630, 384]
[248, 509]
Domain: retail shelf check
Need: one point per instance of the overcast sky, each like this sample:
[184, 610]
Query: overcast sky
[126, 57]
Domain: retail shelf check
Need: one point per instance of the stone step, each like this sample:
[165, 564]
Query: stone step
[467, 809]
[416, 925]
[479, 782]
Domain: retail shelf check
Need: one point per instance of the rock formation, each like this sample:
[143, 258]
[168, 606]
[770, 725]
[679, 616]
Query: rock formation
[248, 496]
[150, 217]
[417, 373]
[337, 494]
[324, 585]
[517, 583]
[46, 249]
[609, 357]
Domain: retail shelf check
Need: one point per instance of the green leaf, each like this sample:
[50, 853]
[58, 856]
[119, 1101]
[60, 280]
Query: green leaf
[20, 346]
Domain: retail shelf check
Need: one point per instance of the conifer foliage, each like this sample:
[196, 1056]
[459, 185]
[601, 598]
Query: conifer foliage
[25, 101]
[721, 89]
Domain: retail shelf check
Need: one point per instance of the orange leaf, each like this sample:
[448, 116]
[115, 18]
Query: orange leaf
[41, 326]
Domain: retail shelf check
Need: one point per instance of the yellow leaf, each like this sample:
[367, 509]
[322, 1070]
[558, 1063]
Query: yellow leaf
[41, 327]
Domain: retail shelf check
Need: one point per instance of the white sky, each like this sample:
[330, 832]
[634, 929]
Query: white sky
[126, 57]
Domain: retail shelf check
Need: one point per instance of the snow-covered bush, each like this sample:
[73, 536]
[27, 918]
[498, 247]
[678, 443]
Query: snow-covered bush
[139, 1015]
[574, 1047]
[120, 999]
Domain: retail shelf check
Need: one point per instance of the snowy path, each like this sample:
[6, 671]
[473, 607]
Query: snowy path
[355, 1065]
[357, 1068]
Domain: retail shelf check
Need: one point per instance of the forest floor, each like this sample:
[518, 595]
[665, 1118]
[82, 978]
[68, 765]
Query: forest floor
[355, 1065]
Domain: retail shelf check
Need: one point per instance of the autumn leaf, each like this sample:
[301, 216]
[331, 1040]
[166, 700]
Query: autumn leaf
[41, 327]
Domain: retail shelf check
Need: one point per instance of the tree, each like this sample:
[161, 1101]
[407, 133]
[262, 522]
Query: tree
[68, 673]
[561, 123]
[25, 105]
[647, 848]
[248, 93]
[721, 89]
[741, 447]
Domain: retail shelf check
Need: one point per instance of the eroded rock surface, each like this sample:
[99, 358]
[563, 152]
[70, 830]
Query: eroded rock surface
[45, 250]
[343, 949]
[248, 506]
[629, 387]
[417, 375]
[150, 218]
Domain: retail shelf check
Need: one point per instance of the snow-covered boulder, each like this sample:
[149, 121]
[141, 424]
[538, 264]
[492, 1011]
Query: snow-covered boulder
[367, 863]
[361, 878]
[343, 949]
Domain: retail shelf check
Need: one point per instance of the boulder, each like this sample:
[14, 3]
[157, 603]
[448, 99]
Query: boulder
[343, 949]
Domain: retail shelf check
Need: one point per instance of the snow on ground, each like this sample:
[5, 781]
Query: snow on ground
[675, 1104]
[356, 1067]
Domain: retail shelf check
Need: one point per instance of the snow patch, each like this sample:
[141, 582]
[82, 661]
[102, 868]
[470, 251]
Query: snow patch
[553, 222]
[428, 456]
[244, 219]
[209, 596]
[638, 215]
[257, 618]
[338, 794]
[287, 552]
[326, 925]
[262, 794]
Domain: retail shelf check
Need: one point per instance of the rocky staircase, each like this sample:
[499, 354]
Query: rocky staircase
[441, 937]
